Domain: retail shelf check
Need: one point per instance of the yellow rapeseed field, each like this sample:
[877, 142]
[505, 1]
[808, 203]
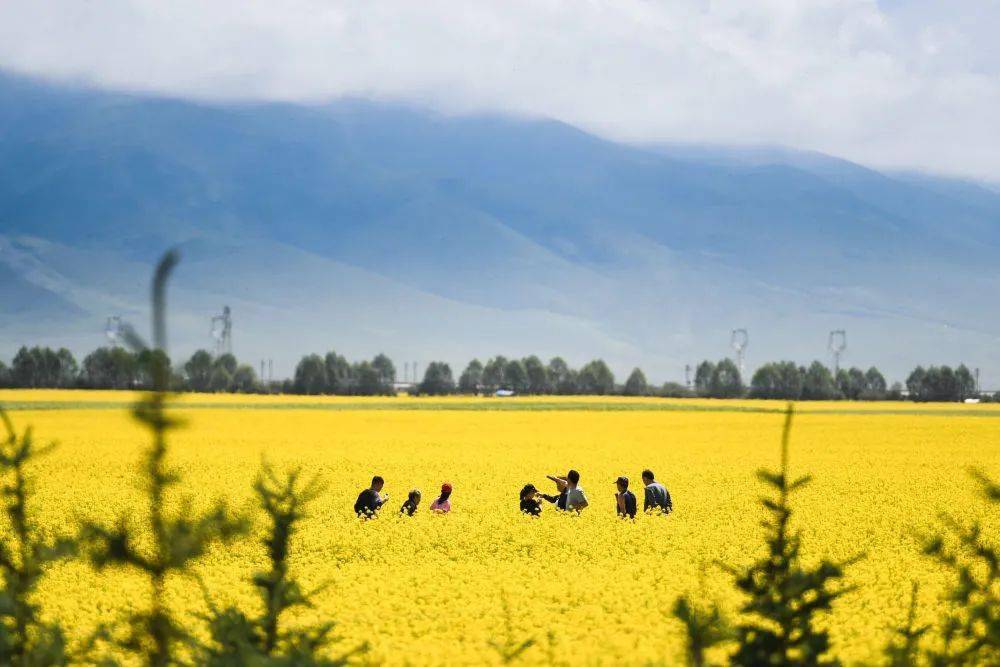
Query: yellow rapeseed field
[589, 589]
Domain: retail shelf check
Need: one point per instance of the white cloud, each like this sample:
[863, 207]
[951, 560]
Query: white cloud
[897, 84]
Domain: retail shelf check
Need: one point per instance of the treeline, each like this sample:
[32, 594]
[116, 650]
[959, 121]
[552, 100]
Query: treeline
[119, 368]
[790, 381]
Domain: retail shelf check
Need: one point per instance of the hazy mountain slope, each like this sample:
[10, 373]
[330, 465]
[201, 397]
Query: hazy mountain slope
[370, 227]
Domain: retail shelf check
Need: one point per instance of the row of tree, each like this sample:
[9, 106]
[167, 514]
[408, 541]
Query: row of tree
[119, 368]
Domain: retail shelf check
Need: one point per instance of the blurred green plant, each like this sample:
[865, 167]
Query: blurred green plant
[24, 554]
[705, 627]
[511, 648]
[178, 537]
[903, 649]
[970, 631]
[784, 596]
[238, 639]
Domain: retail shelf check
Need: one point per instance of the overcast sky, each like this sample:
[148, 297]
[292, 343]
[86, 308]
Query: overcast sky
[906, 83]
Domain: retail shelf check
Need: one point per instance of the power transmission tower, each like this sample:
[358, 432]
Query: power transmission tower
[739, 340]
[837, 343]
[687, 375]
[113, 330]
[222, 332]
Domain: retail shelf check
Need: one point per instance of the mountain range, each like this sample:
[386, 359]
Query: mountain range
[369, 227]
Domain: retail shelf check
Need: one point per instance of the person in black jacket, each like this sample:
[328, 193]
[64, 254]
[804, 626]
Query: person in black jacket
[371, 499]
[531, 500]
[410, 504]
[625, 500]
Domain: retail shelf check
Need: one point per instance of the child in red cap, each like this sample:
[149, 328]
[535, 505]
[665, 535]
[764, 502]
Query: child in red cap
[442, 504]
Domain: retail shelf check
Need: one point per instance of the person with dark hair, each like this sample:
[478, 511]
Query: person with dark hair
[576, 498]
[657, 496]
[531, 500]
[441, 504]
[625, 499]
[410, 504]
[371, 499]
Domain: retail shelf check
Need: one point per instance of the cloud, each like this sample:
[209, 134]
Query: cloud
[912, 84]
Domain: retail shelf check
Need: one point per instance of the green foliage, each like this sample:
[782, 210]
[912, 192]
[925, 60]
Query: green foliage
[177, 538]
[941, 383]
[636, 384]
[781, 379]
[705, 627]
[596, 378]
[725, 381]
[471, 378]
[240, 640]
[784, 596]
[971, 632]
[24, 639]
[904, 648]
[437, 379]
[562, 378]
[511, 648]
[818, 383]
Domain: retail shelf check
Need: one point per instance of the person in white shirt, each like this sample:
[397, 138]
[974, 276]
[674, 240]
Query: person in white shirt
[576, 498]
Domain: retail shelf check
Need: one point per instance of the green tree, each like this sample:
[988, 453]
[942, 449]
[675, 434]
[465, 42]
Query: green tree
[310, 375]
[704, 627]
[198, 370]
[245, 380]
[221, 380]
[493, 371]
[965, 383]
[818, 384]
[437, 379]
[515, 377]
[538, 376]
[784, 597]
[227, 362]
[69, 370]
[725, 381]
[875, 385]
[971, 630]
[111, 368]
[163, 543]
[781, 379]
[916, 384]
[5, 380]
[146, 363]
[636, 385]
[339, 379]
[25, 553]
[266, 640]
[367, 380]
[561, 377]
[386, 372]
[471, 378]
[851, 383]
[703, 378]
[596, 378]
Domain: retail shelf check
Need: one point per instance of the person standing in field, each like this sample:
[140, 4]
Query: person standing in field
[531, 500]
[576, 498]
[442, 504]
[410, 504]
[625, 499]
[370, 500]
[657, 496]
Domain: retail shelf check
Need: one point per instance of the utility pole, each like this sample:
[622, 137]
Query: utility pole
[837, 342]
